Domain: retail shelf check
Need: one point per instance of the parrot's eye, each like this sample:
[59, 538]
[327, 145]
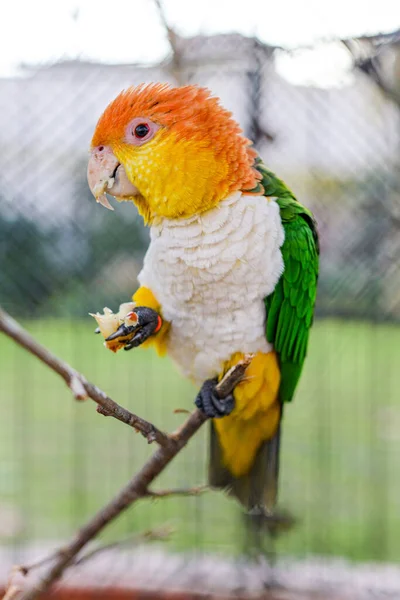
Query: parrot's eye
[140, 130]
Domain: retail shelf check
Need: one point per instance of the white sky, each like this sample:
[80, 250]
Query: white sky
[42, 31]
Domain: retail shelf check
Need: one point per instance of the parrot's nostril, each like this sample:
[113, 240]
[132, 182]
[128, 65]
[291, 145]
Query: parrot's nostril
[100, 148]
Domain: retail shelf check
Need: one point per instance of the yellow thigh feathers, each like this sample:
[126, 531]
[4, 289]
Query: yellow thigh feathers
[255, 417]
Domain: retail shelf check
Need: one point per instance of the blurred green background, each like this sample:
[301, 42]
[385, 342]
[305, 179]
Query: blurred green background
[340, 444]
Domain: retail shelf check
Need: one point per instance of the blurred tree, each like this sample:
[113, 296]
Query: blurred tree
[28, 276]
[91, 259]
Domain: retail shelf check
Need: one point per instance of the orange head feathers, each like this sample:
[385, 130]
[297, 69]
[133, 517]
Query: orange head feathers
[181, 150]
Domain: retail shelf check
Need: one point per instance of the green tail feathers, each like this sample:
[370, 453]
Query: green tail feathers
[257, 489]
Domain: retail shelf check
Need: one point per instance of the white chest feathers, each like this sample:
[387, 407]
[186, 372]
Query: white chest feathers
[211, 274]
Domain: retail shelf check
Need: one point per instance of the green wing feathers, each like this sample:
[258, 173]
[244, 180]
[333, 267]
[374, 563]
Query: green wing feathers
[290, 307]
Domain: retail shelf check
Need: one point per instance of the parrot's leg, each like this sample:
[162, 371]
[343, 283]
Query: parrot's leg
[146, 322]
[208, 402]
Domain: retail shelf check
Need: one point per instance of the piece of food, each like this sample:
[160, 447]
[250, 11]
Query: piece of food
[109, 322]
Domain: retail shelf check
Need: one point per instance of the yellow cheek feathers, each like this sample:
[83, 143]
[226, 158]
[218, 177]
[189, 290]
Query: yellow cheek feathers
[176, 178]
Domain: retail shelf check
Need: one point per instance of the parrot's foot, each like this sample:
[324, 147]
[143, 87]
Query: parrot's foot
[210, 404]
[139, 325]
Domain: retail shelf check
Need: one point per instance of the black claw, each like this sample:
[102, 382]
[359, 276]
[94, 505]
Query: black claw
[122, 331]
[210, 404]
[141, 336]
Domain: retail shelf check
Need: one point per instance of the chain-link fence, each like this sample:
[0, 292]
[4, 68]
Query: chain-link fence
[62, 256]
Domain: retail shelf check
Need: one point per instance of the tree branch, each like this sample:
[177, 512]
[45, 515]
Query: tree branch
[137, 487]
[134, 490]
[80, 387]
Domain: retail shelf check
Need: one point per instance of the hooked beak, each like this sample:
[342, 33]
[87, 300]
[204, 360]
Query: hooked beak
[106, 174]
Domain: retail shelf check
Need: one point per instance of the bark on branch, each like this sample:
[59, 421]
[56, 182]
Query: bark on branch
[138, 486]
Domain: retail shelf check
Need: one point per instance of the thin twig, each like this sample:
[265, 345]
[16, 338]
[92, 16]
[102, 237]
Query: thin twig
[137, 488]
[151, 535]
[14, 591]
[26, 569]
[80, 387]
[192, 491]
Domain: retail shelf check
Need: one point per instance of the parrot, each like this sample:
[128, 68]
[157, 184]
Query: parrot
[231, 269]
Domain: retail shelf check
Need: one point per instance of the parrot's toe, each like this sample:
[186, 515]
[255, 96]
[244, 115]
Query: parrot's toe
[139, 325]
[210, 404]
